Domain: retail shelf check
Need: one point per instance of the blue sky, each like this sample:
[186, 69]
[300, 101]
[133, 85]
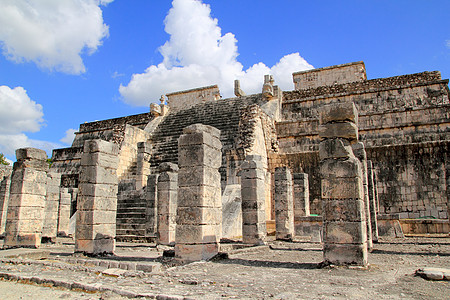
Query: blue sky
[67, 62]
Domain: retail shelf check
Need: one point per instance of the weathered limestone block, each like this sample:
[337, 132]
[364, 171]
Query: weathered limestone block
[301, 195]
[372, 201]
[344, 112]
[360, 153]
[97, 205]
[64, 212]
[335, 148]
[199, 209]
[345, 130]
[342, 187]
[26, 207]
[167, 203]
[151, 213]
[5, 183]
[50, 228]
[284, 204]
[253, 200]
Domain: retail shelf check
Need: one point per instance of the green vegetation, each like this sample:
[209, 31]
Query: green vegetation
[3, 160]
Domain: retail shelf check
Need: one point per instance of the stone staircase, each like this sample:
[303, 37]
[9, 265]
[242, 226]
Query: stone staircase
[130, 220]
[224, 115]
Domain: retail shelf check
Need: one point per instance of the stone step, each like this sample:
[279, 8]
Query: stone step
[131, 209]
[136, 232]
[131, 202]
[124, 221]
[131, 215]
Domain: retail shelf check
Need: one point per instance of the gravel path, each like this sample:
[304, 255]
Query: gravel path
[279, 270]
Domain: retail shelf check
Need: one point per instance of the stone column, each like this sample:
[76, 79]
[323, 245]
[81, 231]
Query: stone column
[143, 164]
[284, 204]
[344, 221]
[97, 202]
[167, 203]
[26, 207]
[372, 201]
[301, 195]
[50, 228]
[360, 153]
[199, 214]
[253, 194]
[5, 183]
[64, 212]
[151, 211]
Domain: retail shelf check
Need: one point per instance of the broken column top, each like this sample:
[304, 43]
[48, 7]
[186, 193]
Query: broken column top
[31, 153]
[168, 167]
[200, 128]
[92, 146]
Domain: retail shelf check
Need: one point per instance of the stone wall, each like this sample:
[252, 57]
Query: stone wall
[330, 75]
[411, 179]
[129, 151]
[185, 99]
[397, 115]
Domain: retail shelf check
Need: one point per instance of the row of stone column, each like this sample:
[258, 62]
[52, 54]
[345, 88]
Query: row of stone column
[32, 202]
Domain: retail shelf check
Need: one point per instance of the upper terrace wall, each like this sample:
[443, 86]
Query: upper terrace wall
[185, 99]
[397, 110]
[330, 75]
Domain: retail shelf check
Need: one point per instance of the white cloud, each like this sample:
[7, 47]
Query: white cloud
[448, 43]
[19, 114]
[68, 138]
[52, 33]
[197, 54]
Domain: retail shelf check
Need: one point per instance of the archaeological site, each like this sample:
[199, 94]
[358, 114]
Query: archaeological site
[341, 162]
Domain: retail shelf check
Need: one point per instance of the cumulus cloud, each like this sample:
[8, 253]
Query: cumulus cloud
[19, 114]
[197, 54]
[52, 33]
[68, 138]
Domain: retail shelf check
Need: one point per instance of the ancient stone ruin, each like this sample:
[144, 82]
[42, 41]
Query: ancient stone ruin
[339, 160]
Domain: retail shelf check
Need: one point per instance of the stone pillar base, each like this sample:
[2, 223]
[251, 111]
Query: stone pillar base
[346, 254]
[95, 247]
[31, 240]
[197, 252]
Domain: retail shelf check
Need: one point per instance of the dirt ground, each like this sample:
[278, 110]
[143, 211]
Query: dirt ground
[280, 270]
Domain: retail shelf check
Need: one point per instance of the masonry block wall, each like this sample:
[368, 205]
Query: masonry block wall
[397, 115]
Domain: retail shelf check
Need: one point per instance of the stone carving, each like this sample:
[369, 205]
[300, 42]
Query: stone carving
[360, 153]
[284, 204]
[167, 203]
[238, 92]
[301, 195]
[268, 90]
[253, 200]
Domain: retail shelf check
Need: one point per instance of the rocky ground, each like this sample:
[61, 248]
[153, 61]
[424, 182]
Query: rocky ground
[279, 270]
